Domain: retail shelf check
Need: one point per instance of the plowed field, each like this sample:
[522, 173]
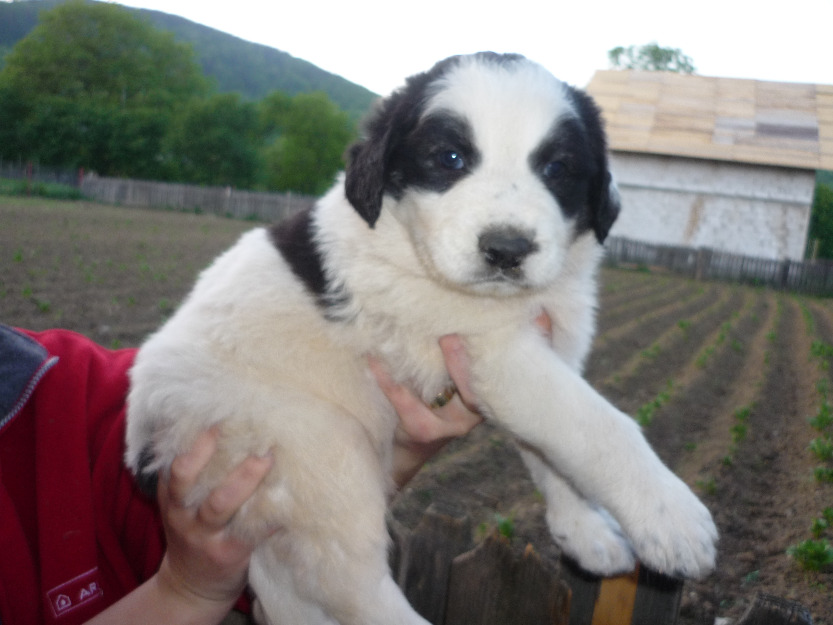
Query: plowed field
[723, 378]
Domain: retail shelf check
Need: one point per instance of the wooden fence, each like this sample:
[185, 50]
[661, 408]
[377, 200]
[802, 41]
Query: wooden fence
[451, 582]
[34, 172]
[813, 277]
[223, 201]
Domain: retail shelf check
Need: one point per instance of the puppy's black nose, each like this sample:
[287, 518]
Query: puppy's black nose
[505, 248]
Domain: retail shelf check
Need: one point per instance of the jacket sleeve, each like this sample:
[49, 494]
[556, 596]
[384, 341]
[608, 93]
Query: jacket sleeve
[90, 536]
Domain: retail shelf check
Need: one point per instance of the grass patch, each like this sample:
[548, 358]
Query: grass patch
[48, 190]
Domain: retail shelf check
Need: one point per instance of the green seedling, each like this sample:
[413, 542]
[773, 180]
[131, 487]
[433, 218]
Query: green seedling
[822, 448]
[824, 417]
[43, 305]
[708, 486]
[742, 414]
[505, 526]
[819, 527]
[823, 475]
[738, 432]
[652, 352]
[812, 555]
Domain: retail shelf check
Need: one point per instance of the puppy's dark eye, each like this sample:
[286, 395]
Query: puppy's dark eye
[451, 159]
[553, 169]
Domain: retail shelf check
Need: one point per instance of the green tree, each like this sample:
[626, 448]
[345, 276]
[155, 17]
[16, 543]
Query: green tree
[214, 141]
[103, 52]
[306, 137]
[821, 223]
[650, 57]
[94, 86]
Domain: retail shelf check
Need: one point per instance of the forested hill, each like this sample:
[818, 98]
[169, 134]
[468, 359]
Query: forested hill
[234, 64]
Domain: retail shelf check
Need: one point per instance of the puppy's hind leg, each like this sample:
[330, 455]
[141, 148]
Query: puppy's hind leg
[329, 562]
[278, 601]
[311, 582]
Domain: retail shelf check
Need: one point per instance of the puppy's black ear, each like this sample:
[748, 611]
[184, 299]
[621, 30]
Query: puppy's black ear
[604, 202]
[366, 174]
[606, 208]
[371, 169]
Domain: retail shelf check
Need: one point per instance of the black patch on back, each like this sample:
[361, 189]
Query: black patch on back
[294, 239]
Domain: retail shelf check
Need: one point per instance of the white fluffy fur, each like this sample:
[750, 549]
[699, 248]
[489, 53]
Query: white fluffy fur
[250, 351]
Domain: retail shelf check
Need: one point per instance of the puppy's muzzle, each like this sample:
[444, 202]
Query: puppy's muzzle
[505, 249]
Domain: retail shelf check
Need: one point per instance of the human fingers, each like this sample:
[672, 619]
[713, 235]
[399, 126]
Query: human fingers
[186, 467]
[419, 424]
[458, 365]
[240, 484]
[400, 396]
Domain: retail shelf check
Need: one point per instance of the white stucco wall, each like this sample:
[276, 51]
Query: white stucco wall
[752, 210]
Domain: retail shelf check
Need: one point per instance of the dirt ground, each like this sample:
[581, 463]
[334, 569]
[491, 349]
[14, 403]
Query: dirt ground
[720, 376]
[761, 489]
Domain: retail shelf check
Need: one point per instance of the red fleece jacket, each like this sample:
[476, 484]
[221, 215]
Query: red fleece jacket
[75, 532]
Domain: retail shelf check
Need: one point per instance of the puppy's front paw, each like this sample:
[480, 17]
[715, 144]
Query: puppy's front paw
[673, 532]
[591, 537]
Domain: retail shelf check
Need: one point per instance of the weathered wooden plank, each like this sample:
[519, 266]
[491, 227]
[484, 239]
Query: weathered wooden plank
[686, 109]
[490, 586]
[426, 561]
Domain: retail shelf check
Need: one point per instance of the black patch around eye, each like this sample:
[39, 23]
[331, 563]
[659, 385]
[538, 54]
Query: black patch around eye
[439, 152]
[564, 165]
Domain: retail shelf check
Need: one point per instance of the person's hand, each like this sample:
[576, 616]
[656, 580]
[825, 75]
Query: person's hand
[423, 430]
[204, 569]
[203, 562]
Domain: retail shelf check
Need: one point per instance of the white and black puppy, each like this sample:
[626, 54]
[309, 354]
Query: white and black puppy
[479, 195]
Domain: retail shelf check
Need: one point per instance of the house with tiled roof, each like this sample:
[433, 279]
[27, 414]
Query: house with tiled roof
[718, 163]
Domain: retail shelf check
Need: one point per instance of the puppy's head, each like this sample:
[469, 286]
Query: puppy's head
[493, 166]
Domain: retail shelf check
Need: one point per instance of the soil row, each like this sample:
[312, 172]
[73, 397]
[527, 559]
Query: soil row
[730, 390]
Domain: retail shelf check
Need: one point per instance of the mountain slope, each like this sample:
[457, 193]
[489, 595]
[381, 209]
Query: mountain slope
[235, 64]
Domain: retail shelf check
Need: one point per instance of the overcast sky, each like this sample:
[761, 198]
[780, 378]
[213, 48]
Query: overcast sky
[377, 43]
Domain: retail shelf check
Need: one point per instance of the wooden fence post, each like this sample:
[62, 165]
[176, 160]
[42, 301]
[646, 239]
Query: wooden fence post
[490, 586]
[642, 597]
[425, 560]
[702, 264]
